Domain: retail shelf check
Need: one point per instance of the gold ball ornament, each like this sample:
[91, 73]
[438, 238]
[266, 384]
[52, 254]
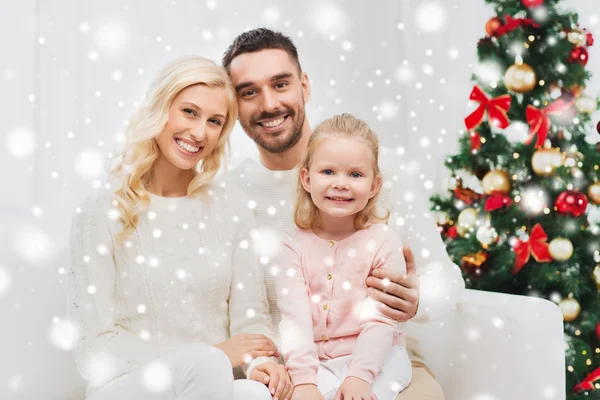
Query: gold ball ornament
[561, 249]
[570, 309]
[596, 275]
[578, 37]
[486, 235]
[520, 78]
[594, 193]
[586, 105]
[462, 230]
[545, 161]
[467, 219]
[496, 181]
[442, 217]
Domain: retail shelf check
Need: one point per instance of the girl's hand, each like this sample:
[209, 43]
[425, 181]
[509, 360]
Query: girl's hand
[354, 388]
[242, 347]
[307, 392]
[276, 377]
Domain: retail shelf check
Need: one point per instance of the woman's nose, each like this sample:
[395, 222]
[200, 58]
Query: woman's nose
[198, 132]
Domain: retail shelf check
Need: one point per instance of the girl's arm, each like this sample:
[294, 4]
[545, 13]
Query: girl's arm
[377, 330]
[248, 305]
[107, 349]
[298, 346]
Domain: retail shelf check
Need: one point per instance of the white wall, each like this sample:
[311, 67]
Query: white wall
[67, 54]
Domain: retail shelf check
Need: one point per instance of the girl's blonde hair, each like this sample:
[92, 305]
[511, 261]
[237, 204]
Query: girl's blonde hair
[135, 166]
[306, 213]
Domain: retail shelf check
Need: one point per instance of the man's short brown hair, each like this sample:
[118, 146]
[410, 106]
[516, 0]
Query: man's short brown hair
[257, 40]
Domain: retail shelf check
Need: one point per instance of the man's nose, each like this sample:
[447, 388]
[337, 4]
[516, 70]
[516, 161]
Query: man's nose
[270, 102]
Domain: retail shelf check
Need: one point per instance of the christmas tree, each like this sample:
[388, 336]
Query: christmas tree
[523, 215]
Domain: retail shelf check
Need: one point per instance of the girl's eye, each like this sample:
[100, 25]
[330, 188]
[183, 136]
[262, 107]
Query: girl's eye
[328, 172]
[356, 174]
[216, 122]
[189, 111]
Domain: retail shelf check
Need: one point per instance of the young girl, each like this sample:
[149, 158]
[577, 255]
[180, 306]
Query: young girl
[163, 283]
[334, 341]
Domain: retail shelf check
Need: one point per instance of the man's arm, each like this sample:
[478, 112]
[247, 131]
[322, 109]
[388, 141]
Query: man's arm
[433, 283]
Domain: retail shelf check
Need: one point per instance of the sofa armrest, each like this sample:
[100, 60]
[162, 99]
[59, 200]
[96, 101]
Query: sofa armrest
[492, 341]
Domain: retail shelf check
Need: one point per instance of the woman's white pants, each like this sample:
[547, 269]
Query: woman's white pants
[192, 373]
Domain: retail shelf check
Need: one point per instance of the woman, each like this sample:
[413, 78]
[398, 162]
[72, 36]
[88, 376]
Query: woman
[164, 284]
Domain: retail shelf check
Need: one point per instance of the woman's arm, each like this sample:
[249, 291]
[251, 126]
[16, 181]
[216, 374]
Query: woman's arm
[298, 346]
[106, 348]
[248, 305]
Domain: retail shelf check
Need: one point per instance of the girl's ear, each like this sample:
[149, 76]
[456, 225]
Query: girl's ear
[375, 186]
[305, 179]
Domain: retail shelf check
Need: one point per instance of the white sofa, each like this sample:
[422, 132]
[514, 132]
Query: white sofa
[492, 347]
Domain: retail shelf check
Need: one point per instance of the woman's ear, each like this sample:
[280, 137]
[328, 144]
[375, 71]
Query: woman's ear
[305, 179]
[375, 186]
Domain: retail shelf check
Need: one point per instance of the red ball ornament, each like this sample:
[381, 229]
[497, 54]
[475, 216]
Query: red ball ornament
[579, 55]
[571, 202]
[491, 27]
[532, 3]
[590, 39]
[598, 331]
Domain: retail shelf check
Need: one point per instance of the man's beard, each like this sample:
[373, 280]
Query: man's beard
[279, 147]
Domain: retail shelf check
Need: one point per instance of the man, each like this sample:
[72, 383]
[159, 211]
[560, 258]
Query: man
[272, 91]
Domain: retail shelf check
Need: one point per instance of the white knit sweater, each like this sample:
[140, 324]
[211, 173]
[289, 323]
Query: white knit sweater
[272, 196]
[186, 275]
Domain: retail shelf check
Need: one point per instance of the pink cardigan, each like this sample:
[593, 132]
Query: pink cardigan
[325, 310]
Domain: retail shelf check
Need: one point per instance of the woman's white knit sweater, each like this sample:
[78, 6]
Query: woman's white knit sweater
[187, 274]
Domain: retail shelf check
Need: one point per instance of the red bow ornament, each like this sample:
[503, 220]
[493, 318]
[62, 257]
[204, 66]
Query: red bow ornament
[537, 246]
[538, 120]
[588, 382]
[497, 200]
[496, 109]
[511, 24]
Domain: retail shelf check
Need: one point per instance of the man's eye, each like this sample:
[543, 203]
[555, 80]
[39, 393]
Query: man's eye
[281, 85]
[248, 93]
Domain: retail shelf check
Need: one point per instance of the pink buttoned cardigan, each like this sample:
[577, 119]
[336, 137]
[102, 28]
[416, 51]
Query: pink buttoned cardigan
[326, 312]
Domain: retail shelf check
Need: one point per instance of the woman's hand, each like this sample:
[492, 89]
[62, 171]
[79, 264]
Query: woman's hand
[243, 347]
[276, 377]
[354, 388]
[307, 392]
[397, 293]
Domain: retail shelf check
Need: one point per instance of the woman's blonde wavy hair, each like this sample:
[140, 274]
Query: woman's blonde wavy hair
[306, 213]
[135, 165]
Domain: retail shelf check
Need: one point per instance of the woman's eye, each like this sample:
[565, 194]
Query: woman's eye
[189, 111]
[216, 122]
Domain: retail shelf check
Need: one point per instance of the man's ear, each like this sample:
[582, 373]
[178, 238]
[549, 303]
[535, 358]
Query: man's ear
[305, 179]
[305, 82]
[375, 186]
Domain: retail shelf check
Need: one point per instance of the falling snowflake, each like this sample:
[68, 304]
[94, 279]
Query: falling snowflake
[112, 37]
[431, 17]
[20, 142]
[64, 334]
